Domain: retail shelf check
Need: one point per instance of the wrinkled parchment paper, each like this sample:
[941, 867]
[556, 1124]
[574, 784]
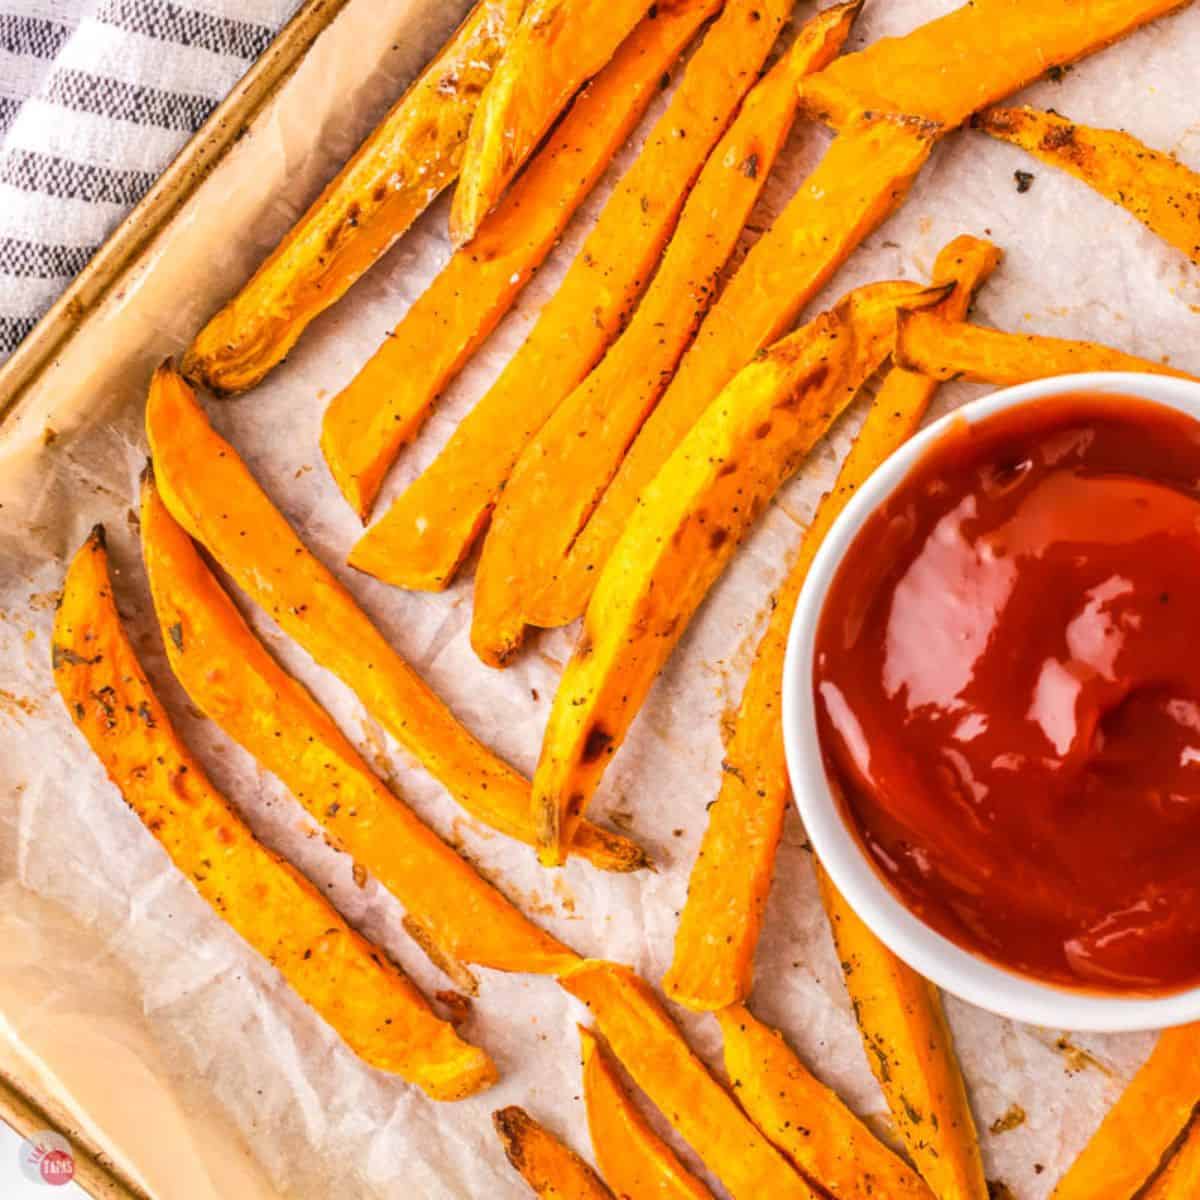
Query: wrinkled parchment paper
[211, 1029]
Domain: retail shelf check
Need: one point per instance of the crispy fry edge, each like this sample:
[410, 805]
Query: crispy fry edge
[566, 468]
[369, 204]
[553, 1170]
[557, 46]
[688, 523]
[1143, 1124]
[910, 1051]
[423, 539]
[947, 350]
[453, 914]
[1154, 187]
[806, 1119]
[631, 1156]
[369, 422]
[722, 917]
[202, 481]
[651, 1048]
[346, 980]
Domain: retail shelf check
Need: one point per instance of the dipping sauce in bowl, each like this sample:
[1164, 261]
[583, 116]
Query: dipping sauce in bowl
[1006, 677]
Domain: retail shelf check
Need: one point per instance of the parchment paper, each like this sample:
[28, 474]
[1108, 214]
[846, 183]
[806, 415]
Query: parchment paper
[214, 1022]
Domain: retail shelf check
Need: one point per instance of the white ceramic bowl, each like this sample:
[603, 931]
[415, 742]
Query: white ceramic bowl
[958, 971]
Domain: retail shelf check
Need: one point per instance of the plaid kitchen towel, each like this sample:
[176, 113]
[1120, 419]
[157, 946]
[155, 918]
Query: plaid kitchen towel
[96, 98]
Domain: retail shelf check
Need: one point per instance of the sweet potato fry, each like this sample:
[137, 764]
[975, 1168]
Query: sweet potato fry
[230, 676]
[727, 894]
[385, 404]
[1141, 1127]
[208, 490]
[1155, 187]
[1180, 1178]
[653, 1051]
[567, 466]
[954, 66]
[956, 70]
[346, 979]
[412, 155]
[424, 538]
[946, 350]
[686, 526]
[558, 45]
[864, 175]
[911, 1053]
[551, 1169]
[807, 1120]
[631, 1156]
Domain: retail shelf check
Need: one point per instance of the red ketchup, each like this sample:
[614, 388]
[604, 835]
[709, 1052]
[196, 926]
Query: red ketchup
[1007, 682]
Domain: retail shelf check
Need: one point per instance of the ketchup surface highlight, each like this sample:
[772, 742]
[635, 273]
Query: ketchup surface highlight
[1007, 684]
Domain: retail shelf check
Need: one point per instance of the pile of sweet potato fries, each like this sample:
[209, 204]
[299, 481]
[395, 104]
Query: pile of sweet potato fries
[659, 402]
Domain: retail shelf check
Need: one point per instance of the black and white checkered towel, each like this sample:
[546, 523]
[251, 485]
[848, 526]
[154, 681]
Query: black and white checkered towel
[96, 98]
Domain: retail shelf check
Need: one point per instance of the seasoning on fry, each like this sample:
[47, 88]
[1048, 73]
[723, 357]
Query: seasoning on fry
[557, 46]
[382, 408]
[686, 527]
[731, 878]
[552, 1170]
[348, 981]
[395, 175]
[565, 469]
[910, 1051]
[653, 1051]
[1155, 187]
[423, 539]
[862, 178]
[973, 56]
[806, 1120]
[211, 493]
[942, 349]
[452, 913]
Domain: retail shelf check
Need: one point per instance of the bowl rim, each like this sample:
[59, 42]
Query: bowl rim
[969, 976]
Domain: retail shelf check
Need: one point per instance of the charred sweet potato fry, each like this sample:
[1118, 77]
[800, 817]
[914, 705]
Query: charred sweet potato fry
[731, 878]
[413, 154]
[567, 466]
[954, 66]
[631, 1156]
[209, 491]
[862, 178]
[385, 404]
[911, 1053]
[1143, 1124]
[558, 45]
[552, 1170]
[807, 1120]
[346, 979]
[685, 528]
[423, 539]
[945, 350]
[653, 1051]
[1155, 187]
[230, 676]
[1180, 1178]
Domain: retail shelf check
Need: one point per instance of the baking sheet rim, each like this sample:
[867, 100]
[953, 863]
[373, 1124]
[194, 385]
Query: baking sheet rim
[24, 1106]
[129, 244]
